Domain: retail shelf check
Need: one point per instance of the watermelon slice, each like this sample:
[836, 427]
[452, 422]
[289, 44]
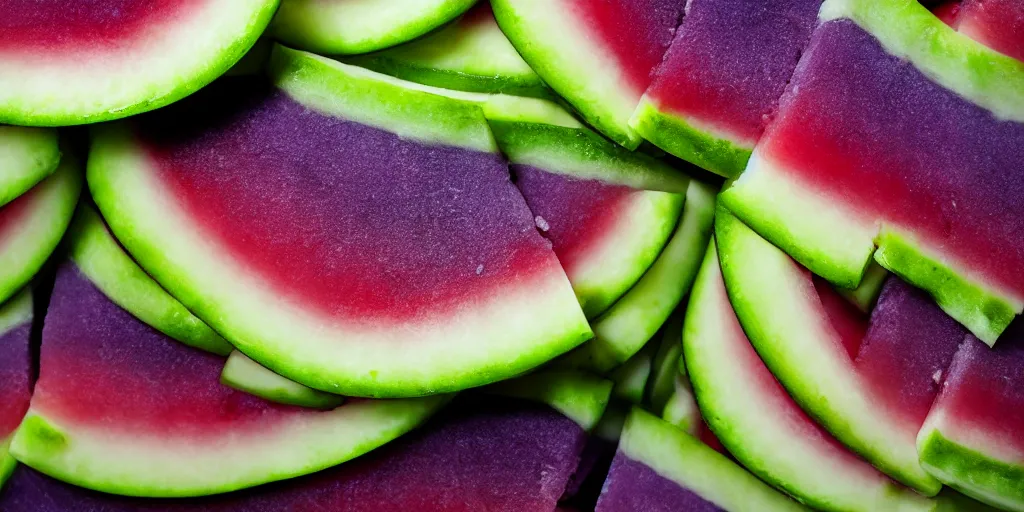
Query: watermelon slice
[681, 410]
[869, 385]
[972, 439]
[121, 408]
[400, 261]
[660, 468]
[449, 464]
[998, 24]
[598, 55]
[758, 422]
[470, 54]
[344, 27]
[28, 155]
[722, 78]
[928, 147]
[667, 364]
[631, 378]
[32, 225]
[15, 372]
[247, 375]
[866, 294]
[110, 59]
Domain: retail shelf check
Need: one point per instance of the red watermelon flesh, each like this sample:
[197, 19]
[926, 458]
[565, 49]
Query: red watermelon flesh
[850, 323]
[948, 12]
[998, 24]
[504, 455]
[15, 378]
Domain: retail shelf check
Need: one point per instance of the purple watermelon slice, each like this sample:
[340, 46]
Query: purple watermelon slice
[659, 468]
[32, 225]
[107, 59]
[760, 424]
[482, 453]
[15, 372]
[722, 78]
[973, 439]
[28, 156]
[869, 384]
[345, 27]
[122, 408]
[898, 132]
[998, 24]
[598, 54]
[400, 261]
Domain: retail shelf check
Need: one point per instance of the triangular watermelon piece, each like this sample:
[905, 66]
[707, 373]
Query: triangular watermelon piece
[344, 27]
[722, 78]
[598, 55]
[27, 155]
[15, 372]
[998, 24]
[898, 132]
[760, 424]
[95, 61]
[400, 261]
[122, 408]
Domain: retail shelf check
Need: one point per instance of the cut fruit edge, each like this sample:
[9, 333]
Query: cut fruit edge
[244, 374]
[971, 472]
[28, 155]
[14, 313]
[579, 396]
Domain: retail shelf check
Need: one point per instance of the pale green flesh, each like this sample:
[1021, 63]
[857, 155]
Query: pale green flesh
[623, 330]
[866, 294]
[666, 363]
[99, 256]
[27, 155]
[683, 459]
[580, 396]
[171, 61]
[778, 309]
[345, 27]
[631, 378]
[247, 375]
[760, 425]
[972, 472]
[681, 408]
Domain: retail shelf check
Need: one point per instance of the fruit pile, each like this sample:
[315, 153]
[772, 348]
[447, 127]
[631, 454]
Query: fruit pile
[511, 255]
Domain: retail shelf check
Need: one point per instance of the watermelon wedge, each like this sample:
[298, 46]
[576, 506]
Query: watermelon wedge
[666, 365]
[869, 384]
[345, 27]
[15, 372]
[758, 422]
[110, 59]
[681, 410]
[469, 54]
[972, 438]
[32, 225]
[722, 78]
[998, 24]
[121, 408]
[401, 261]
[923, 164]
[28, 155]
[247, 375]
[660, 468]
[598, 55]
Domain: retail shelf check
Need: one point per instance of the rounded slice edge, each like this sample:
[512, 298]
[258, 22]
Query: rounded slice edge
[27, 155]
[580, 396]
[247, 375]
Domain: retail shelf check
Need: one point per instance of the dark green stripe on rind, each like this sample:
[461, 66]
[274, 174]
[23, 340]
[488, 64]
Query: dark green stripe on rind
[971, 472]
[100, 257]
[27, 155]
[244, 374]
[580, 396]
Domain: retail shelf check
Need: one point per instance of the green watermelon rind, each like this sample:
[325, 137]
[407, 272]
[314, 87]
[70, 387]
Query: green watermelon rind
[27, 155]
[631, 377]
[971, 472]
[242, 373]
[580, 396]
[666, 363]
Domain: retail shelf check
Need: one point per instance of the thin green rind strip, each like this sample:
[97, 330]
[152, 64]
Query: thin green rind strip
[447, 79]
[32, 243]
[673, 134]
[906, 29]
[154, 468]
[984, 312]
[865, 295]
[679, 457]
[244, 374]
[666, 363]
[102, 259]
[759, 280]
[681, 410]
[971, 472]
[7, 463]
[17, 311]
[631, 378]
[360, 26]
[378, 100]
[27, 156]
[580, 396]
[624, 329]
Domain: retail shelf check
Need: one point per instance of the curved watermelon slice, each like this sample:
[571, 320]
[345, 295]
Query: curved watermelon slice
[110, 59]
[758, 422]
[722, 79]
[598, 55]
[119, 407]
[869, 384]
[247, 375]
[667, 363]
[659, 467]
[32, 225]
[28, 155]
[972, 438]
[400, 261]
[998, 24]
[928, 147]
[470, 54]
[345, 27]
[15, 372]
